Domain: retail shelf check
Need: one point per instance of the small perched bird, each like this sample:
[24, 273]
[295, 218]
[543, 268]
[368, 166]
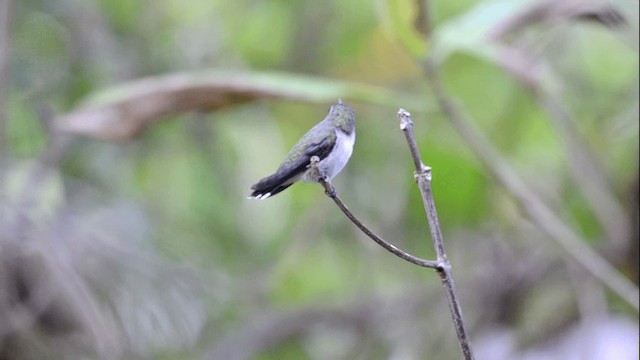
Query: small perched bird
[331, 140]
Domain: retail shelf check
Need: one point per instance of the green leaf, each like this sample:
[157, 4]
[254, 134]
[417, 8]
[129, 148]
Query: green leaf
[469, 33]
[397, 18]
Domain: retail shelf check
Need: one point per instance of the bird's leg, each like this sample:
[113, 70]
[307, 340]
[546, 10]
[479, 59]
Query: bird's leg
[315, 172]
[321, 177]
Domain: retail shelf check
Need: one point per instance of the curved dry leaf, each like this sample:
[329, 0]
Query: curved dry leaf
[121, 113]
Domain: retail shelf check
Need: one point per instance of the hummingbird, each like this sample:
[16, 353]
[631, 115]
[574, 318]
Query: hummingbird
[331, 140]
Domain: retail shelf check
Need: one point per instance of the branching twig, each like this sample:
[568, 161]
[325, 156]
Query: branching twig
[441, 265]
[331, 192]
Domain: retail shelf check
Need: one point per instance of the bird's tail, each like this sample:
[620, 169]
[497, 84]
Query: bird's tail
[270, 186]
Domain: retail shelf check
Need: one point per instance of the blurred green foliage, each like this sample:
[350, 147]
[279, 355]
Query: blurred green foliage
[192, 172]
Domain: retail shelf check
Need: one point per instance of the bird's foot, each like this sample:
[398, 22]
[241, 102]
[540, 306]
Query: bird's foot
[315, 172]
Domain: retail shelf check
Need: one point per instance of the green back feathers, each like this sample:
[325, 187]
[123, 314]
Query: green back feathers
[340, 116]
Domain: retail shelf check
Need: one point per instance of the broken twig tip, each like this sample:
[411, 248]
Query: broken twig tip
[405, 118]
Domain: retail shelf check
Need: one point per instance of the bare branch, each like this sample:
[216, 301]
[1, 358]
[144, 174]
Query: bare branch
[330, 191]
[442, 265]
[423, 178]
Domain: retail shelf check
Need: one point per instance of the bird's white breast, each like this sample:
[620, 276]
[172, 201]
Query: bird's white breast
[338, 158]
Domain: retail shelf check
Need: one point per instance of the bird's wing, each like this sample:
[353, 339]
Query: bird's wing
[289, 170]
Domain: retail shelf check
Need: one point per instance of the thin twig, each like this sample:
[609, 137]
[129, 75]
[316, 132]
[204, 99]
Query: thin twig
[584, 167]
[330, 191]
[543, 216]
[587, 173]
[423, 178]
[537, 210]
[441, 265]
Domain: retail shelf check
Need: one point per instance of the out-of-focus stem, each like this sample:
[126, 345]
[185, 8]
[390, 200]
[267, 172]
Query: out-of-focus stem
[537, 210]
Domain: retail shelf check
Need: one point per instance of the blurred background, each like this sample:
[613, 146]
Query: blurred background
[131, 131]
